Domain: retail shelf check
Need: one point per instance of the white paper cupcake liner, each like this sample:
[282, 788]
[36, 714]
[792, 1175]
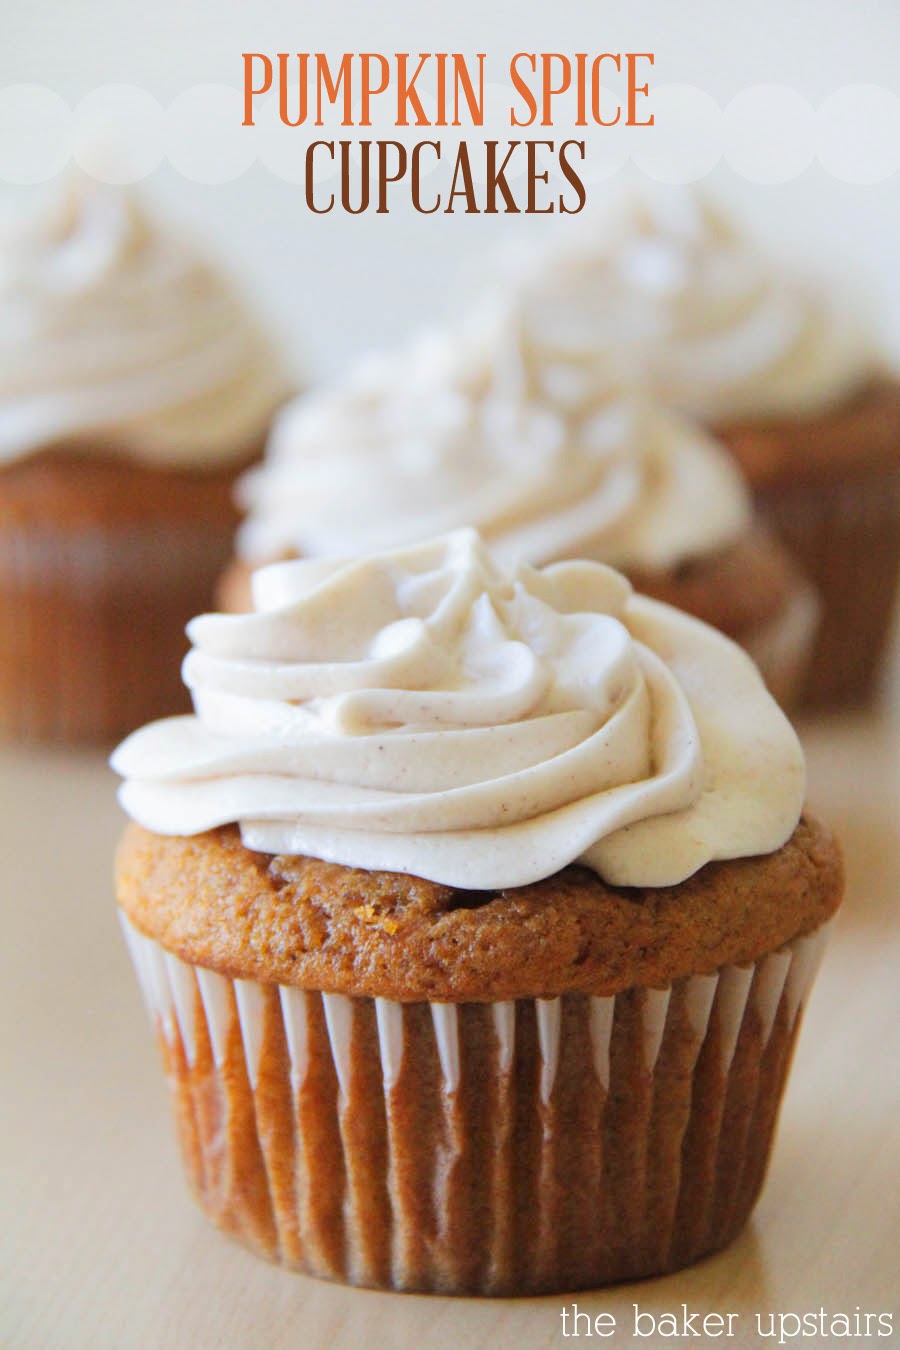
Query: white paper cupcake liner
[509, 1147]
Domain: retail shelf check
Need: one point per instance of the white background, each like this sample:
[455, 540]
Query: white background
[336, 284]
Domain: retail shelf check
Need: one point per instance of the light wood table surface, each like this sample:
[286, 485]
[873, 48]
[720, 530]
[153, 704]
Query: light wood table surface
[100, 1243]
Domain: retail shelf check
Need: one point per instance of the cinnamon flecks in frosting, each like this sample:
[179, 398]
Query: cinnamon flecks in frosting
[448, 435]
[431, 712]
[661, 286]
[114, 328]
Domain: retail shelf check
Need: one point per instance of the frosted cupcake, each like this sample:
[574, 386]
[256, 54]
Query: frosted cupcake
[452, 433]
[134, 387]
[475, 912]
[772, 363]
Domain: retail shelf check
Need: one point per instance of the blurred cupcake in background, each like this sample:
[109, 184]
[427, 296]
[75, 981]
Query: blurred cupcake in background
[135, 386]
[776, 366]
[452, 433]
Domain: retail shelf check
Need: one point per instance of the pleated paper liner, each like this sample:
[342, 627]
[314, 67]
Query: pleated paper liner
[846, 538]
[92, 624]
[499, 1148]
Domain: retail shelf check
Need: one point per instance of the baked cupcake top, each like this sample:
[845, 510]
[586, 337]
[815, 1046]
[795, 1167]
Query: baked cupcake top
[291, 920]
[664, 287]
[115, 330]
[431, 712]
[449, 434]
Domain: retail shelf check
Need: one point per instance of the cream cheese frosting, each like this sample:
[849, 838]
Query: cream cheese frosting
[115, 329]
[432, 712]
[448, 434]
[661, 285]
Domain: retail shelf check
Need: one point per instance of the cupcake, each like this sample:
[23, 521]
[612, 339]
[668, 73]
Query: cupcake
[475, 912]
[777, 368]
[454, 432]
[134, 388]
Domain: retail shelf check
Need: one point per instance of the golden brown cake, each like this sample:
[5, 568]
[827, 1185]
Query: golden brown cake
[475, 913]
[294, 920]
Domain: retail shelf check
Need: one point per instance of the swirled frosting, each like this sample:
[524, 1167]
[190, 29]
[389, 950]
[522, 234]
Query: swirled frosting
[427, 711]
[112, 327]
[663, 287]
[444, 436]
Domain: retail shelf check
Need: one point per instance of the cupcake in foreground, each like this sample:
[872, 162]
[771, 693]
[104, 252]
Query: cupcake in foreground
[475, 911]
[774, 365]
[452, 433]
[134, 387]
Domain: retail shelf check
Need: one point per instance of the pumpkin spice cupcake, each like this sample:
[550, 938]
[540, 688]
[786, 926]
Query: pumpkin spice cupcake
[134, 388]
[475, 912]
[450, 433]
[778, 369]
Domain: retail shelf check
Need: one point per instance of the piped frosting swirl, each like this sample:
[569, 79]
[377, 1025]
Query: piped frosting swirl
[432, 712]
[448, 434]
[661, 287]
[113, 329]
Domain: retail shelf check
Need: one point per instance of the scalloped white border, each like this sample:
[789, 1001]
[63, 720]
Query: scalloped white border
[767, 133]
